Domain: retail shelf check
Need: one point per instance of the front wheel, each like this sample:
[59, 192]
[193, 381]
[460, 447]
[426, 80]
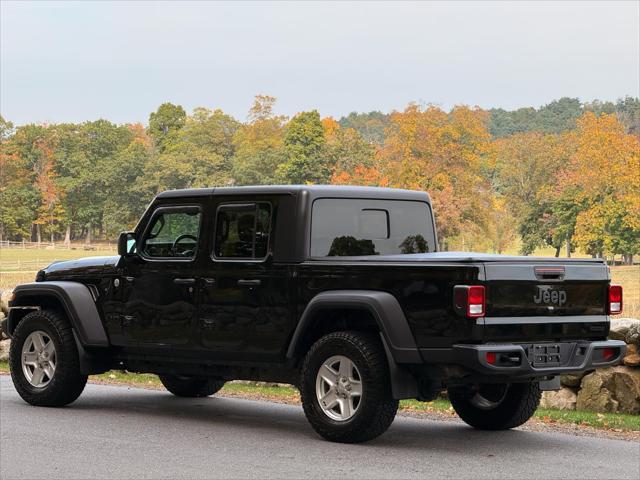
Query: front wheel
[44, 361]
[345, 387]
[191, 387]
[495, 406]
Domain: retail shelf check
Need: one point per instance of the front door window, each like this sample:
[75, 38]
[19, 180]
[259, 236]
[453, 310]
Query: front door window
[172, 234]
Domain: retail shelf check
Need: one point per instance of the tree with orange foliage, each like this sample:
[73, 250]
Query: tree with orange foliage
[50, 212]
[442, 153]
[33, 150]
[345, 149]
[602, 180]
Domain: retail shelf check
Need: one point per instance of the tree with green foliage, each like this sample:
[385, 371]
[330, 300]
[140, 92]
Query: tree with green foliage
[345, 148]
[165, 122]
[558, 116]
[90, 150]
[126, 172]
[258, 144]
[304, 147]
[371, 126]
[6, 129]
[197, 155]
[526, 163]
[18, 195]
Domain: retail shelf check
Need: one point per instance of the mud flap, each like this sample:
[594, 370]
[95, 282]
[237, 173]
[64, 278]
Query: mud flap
[403, 384]
[90, 364]
[551, 384]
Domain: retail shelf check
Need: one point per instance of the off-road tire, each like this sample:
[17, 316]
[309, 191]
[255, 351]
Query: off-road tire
[517, 406]
[68, 382]
[191, 387]
[377, 408]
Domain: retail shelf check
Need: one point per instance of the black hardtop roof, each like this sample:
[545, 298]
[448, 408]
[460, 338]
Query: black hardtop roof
[314, 191]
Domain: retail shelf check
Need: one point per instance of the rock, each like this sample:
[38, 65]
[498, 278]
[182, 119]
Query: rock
[4, 301]
[572, 380]
[632, 357]
[3, 327]
[563, 399]
[627, 329]
[594, 395]
[633, 335]
[4, 350]
[612, 389]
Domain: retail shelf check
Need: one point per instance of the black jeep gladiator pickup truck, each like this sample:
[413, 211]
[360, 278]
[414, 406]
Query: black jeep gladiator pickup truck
[340, 291]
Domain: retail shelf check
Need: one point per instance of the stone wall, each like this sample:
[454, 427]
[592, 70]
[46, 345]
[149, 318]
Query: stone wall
[612, 389]
[4, 339]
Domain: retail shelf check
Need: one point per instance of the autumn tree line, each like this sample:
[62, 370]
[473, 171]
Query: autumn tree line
[566, 175]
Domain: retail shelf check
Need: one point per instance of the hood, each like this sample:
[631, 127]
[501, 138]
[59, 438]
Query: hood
[84, 266]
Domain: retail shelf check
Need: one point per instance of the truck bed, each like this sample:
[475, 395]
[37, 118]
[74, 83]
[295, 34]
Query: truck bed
[467, 257]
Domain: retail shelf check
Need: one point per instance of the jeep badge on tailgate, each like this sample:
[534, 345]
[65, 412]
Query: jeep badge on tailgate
[544, 295]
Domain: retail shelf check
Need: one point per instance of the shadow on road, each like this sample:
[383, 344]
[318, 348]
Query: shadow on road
[258, 418]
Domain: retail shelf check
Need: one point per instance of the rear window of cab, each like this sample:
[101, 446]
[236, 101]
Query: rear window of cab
[355, 227]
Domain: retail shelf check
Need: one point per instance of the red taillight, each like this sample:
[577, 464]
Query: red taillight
[475, 302]
[609, 353]
[615, 299]
[470, 300]
[491, 358]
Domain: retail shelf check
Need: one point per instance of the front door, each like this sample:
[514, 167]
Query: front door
[159, 287]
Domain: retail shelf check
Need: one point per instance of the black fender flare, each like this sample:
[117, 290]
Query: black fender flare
[385, 309]
[77, 302]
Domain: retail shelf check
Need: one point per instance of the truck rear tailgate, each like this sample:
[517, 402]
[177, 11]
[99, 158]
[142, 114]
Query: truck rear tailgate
[546, 300]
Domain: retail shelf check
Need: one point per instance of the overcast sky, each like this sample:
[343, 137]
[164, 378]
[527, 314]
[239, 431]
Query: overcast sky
[83, 61]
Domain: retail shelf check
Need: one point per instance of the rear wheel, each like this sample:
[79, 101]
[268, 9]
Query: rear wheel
[191, 387]
[496, 406]
[44, 361]
[345, 387]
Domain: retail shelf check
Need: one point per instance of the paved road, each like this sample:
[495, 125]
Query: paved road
[118, 432]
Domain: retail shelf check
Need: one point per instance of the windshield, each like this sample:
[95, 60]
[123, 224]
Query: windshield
[352, 227]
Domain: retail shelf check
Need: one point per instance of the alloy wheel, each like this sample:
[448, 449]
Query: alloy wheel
[38, 359]
[339, 388]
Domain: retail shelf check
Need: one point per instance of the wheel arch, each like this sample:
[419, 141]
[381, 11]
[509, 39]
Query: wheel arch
[361, 310]
[368, 309]
[72, 298]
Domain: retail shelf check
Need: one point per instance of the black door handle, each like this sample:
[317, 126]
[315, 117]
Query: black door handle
[184, 281]
[249, 283]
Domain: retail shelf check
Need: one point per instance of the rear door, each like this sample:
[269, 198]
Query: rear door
[559, 300]
[244, 308]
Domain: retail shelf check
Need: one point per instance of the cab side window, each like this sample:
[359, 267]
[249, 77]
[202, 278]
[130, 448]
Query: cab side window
[242, 231]
[174, 233]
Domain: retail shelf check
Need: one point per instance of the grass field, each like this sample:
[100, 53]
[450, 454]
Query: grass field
[20, 266]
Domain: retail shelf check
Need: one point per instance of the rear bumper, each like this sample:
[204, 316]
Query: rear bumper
[526, 360]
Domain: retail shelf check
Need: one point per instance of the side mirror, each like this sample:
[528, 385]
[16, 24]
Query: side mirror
[126, 244]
